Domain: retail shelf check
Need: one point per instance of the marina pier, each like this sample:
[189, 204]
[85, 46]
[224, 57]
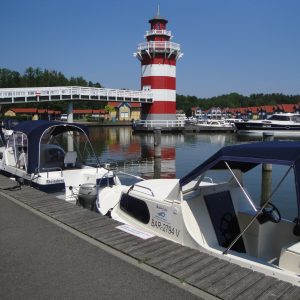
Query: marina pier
[199, 273]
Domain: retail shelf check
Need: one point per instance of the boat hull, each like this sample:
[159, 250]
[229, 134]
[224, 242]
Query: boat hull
[257, 129]
[55, 187]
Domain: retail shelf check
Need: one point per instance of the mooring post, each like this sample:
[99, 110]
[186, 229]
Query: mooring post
[70, 111]
[266, 173]
[157, 152]
[70, 120]
[157, 142]
[157, 167]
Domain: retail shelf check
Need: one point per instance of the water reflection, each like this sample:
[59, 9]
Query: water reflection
[134, 153]
[180, 152]
[242, 138]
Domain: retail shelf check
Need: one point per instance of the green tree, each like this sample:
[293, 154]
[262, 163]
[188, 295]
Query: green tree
[109, 109]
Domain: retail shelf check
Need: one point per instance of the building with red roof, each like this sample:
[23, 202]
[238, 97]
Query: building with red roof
[125, 111]
[33, 113]
[289, 108]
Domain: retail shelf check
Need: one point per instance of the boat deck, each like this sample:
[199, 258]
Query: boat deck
[213, 276]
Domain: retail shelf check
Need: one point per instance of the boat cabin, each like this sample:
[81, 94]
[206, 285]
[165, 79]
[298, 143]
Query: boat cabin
[256, 220]
[288, 117]
[242, 205]
[38, 146]
[53, 156]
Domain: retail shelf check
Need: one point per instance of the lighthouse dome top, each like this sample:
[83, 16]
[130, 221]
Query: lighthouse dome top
[158, 18]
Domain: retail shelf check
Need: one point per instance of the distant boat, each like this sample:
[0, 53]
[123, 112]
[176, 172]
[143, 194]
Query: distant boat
[280, 124]
[210, 125]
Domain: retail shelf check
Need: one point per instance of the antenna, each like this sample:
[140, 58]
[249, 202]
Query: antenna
[158, 10]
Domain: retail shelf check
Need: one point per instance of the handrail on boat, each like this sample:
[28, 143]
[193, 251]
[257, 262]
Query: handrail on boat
[144, 187]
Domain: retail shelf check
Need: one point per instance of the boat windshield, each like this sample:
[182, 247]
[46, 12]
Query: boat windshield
[259, 185]
[296, 119]
[279, 118]
[65, 149]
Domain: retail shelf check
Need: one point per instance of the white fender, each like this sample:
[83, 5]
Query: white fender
[108, 198]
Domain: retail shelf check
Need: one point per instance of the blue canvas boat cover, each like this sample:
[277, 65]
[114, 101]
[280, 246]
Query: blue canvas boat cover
[246, 156]
[10, 123]
[34, 131]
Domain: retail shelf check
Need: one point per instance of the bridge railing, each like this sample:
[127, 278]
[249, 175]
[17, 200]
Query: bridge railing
[11, 95]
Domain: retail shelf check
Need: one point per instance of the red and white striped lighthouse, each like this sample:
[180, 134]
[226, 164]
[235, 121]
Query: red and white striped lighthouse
[158, 58]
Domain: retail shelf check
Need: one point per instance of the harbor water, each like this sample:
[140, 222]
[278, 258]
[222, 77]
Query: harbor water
[181, 153]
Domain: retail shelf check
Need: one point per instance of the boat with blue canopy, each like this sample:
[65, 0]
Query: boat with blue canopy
[228, 206]
[54, 157]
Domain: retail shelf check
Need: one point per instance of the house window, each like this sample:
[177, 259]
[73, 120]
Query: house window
[124, 115]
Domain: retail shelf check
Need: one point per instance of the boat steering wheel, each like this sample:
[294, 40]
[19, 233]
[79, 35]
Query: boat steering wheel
[270, 213]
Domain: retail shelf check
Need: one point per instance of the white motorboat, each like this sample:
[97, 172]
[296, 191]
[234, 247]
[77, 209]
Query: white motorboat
[214, 123]
[210, 125]
[280, 124]
[210, 209]
[54, 157]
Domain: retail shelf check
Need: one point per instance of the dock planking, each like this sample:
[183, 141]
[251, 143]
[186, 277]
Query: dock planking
[201, 270]
[275, 291]
[184, 263]
[215, 277]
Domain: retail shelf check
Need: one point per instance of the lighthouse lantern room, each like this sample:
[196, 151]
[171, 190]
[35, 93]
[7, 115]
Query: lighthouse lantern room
[158, 56]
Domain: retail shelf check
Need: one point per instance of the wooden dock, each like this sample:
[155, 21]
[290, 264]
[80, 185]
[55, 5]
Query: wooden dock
[207, 273]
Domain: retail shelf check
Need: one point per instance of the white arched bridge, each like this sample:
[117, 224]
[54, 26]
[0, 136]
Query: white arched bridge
[71, 93]
[74, 93]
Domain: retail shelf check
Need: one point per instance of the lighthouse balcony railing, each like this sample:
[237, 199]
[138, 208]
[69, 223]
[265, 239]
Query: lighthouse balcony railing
[158, 32]
[160, 123]
[158, 46]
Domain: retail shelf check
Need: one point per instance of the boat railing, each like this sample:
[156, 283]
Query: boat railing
[140, 186]
[208, 179]
[139, 166]
[107, 177]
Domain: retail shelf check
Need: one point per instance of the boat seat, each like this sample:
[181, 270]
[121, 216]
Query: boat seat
[290, 258]
[70, 159]
[21, 163]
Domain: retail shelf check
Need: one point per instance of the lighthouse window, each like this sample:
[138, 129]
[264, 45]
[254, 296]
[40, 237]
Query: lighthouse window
[136, 208]
[146, 87]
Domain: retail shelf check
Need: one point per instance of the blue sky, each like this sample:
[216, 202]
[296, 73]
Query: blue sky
[243, 46]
